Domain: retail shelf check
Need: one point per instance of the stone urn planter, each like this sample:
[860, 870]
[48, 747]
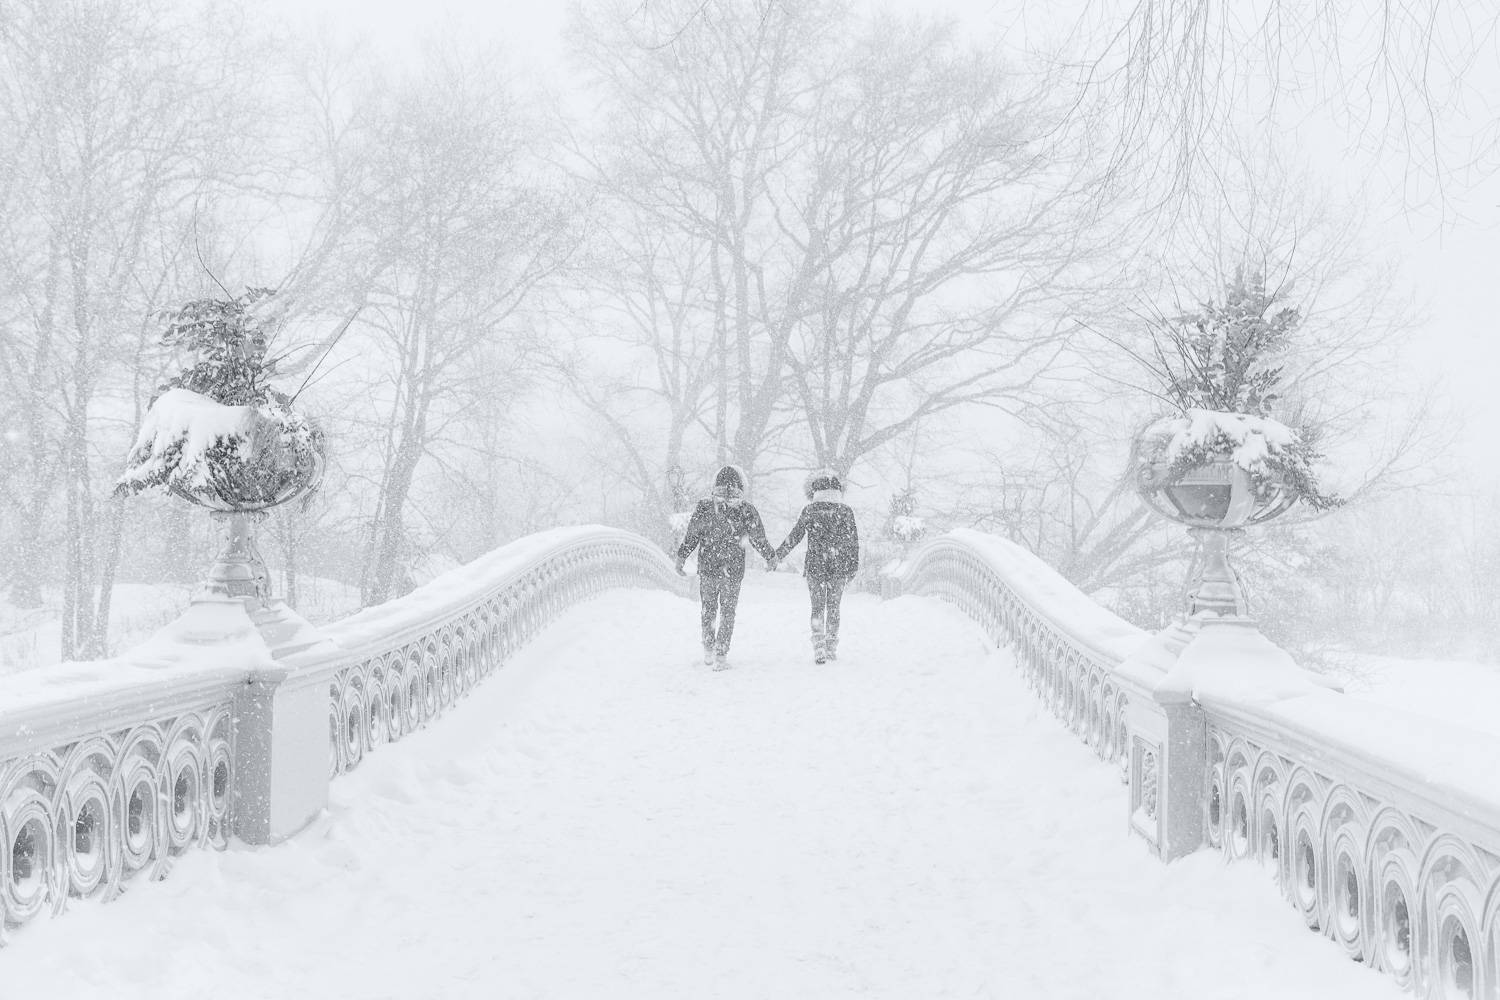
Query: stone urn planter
[1217, 473]
[1208, 470]
[220, 437]
[1223, 462]
[236, 460]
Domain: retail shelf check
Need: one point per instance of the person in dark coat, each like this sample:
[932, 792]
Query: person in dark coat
[721, 525]
[832, 556]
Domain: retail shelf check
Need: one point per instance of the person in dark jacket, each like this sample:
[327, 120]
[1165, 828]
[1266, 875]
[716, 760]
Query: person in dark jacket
[721, 525]
[832, 556]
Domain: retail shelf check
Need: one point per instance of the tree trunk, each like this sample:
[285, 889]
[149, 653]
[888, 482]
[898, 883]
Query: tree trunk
[26, 584]
[78, 625]
[386, 543]
[27, 575]
[114, 528]
[68, 629]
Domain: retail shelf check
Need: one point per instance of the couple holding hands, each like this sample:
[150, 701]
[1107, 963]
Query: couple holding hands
[724, 522]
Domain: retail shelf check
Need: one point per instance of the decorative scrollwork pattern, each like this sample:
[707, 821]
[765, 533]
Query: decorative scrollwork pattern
[1391, 887]
[392, 691]
[81, 819]
[1073, 681]
[1386, 879]
[1149, 779]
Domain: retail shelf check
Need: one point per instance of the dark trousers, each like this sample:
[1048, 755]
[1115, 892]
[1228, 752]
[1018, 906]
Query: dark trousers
[826, 592]
[720, 595]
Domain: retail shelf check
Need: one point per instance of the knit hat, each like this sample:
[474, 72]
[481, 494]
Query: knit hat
[823, 479]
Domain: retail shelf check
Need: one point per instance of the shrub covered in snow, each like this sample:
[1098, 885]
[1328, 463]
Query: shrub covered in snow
[1271, 452]
[1224, 366]
[902, 524]
[217, 433]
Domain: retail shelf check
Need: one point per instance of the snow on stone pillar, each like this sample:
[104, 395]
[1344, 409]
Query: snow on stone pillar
[1168, 748]
[281, 763]
[281, 755]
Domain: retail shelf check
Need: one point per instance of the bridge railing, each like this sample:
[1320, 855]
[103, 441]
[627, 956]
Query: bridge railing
[112, 768]
[1382, 827]
[1067, 646]
[401, 664]
[108, 770]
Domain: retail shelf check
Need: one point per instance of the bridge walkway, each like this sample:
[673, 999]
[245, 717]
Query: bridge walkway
[607, 819]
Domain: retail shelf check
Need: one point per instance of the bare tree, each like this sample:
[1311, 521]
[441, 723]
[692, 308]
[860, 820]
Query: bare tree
[117, 119]
[950, 225]
[1187, 77]
[707, 104]
[825, 229]
[457, 236]
[642, 354]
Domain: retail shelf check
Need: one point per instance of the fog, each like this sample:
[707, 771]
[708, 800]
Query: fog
[537, 266]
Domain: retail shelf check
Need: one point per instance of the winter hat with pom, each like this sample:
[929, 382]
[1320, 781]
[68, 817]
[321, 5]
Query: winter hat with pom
[823, 479]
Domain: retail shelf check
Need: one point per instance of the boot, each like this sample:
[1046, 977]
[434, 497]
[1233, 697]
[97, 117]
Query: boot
[721, 659]
[708, 656]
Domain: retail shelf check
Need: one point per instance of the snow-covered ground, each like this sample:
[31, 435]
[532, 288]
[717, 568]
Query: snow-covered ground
[608, 819]
[1457, 691]
[29, 637]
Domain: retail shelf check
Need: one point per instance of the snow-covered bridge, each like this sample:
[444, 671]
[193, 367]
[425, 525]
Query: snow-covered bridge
[601, 817]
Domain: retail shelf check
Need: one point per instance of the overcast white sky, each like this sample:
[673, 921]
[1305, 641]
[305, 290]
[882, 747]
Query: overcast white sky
[1450, 257]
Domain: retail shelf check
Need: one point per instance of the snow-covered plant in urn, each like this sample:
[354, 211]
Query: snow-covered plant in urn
[902, 524]
[1223, 365]
[218, 433]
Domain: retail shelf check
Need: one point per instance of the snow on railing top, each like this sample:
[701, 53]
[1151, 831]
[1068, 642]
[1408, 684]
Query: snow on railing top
[205, 652]
[1045, 592]
[1052, 596]
[397, 666]
[1240, 674]
[1067, 645]
[453, 592]
[112, 767]
[1383, 826]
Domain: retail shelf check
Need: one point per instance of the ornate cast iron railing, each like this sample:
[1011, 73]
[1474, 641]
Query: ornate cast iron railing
[403, 664]
[1066, 647]
[1394, 855]
[1382, 827]
[104, 784]
[113, 768]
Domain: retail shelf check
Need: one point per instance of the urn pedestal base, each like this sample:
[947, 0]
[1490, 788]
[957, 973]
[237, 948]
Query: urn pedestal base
[240, 574]
[1217, 591]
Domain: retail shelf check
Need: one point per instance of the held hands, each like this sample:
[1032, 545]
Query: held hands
[770, 565]
[680, 571]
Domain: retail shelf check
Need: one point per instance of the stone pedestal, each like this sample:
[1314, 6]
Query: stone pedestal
[280, 755]
[890, 586]
[240, 574]
[1168, 762]
[1218, 590]
[1168, 774]
[281, 738]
